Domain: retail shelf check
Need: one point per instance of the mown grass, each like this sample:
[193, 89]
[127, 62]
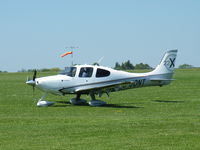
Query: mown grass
[166, 118]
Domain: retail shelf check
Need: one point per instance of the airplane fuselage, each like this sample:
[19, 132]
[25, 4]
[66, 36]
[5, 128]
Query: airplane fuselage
[114, 80]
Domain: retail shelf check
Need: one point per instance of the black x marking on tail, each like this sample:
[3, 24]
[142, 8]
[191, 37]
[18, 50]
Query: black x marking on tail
[172, 62]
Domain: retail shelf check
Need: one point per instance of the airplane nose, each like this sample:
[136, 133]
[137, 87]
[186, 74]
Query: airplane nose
[31, 82]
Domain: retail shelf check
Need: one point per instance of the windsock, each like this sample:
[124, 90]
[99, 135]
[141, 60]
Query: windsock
[65, 54]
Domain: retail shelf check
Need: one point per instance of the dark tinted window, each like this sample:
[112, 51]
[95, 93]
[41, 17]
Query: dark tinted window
[86, 72]
[102, 73]
[69, 71]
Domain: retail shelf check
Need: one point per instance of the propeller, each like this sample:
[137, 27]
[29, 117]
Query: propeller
[34, 76]
[32, 82]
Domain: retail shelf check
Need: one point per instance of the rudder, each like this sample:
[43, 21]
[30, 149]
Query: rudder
[167, 63]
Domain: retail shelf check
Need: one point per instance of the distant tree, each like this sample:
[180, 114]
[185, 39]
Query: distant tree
[117, 66]
[142, 66]
[96, 63]
[127, 65]
[45, 70]
[22, 70]
[55, 69]
[123, 67]
[30, 70]
[185, 66]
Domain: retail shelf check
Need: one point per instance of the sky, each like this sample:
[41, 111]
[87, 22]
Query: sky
[34, 33]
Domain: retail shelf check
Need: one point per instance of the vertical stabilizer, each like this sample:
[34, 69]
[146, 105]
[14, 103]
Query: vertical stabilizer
[167, 63]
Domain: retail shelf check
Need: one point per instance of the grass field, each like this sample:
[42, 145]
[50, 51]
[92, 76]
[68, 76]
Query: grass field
[154, 118]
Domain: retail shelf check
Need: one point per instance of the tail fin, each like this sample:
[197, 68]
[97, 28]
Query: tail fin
[163, 73]
[167, 63]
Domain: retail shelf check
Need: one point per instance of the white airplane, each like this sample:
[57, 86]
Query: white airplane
[96, 80]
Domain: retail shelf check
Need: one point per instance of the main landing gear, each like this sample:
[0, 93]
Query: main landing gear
[78, 101]
[75, 101]
[93, 102]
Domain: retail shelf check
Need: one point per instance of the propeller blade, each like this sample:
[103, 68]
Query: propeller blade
[32, 82]
[33, 90]
[34, 74]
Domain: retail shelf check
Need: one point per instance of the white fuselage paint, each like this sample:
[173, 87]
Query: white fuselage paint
[54, 84]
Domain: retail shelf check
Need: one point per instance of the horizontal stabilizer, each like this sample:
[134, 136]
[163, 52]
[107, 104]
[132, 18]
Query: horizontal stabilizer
[161, 79]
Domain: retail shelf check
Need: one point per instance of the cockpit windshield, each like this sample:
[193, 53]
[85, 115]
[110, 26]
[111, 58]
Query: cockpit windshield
[69, 71]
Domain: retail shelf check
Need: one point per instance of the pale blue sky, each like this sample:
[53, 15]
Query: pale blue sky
[33, 34]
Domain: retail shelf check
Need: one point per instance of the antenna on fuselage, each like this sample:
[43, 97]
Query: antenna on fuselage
[99, 61]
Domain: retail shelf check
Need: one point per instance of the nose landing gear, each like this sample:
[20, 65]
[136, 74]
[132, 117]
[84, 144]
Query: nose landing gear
[43, 103]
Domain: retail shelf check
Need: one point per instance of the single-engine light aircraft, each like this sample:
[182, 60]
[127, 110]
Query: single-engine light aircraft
[97, 80]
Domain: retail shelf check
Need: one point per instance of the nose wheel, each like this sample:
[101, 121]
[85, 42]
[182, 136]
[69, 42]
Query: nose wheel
[43, 103]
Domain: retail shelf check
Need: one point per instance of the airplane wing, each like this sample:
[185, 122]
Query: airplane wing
[103, 87]
[99, 87]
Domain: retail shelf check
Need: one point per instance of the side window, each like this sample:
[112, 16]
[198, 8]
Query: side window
[86, 72]
[102, 73]
[69, 71]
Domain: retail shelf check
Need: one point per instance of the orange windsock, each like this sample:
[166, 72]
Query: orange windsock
[65, 54]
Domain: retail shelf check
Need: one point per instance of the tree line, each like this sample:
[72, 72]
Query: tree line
[3, 71]
[56, 69]
[185, 66]
[127, 65]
